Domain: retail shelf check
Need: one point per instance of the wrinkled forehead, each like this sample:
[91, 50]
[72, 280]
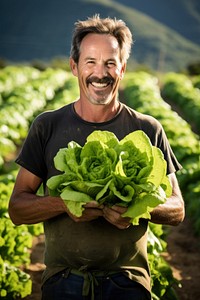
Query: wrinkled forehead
[99, 44]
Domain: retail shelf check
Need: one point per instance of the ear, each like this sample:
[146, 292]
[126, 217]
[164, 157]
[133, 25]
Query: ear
[122, 72]
[73, 67]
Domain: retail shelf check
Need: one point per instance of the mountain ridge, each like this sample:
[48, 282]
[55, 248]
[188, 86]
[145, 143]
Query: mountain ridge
[43, 29]
[169, 14]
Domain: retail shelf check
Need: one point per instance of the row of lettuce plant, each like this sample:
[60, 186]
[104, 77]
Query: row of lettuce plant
[13, 76]
[21, 98]
[141, 92]
[20, 104]
[15, 244]
[183, 92]
[196, 81]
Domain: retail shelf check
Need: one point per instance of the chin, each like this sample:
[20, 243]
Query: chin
[101, 101]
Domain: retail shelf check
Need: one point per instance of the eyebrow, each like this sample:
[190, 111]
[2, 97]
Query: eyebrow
[92, 58]
[89, 58]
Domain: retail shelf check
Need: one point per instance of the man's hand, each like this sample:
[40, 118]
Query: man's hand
[92, 211]
[114, 216]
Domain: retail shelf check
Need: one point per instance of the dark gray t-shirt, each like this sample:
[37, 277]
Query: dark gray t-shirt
[95, 245]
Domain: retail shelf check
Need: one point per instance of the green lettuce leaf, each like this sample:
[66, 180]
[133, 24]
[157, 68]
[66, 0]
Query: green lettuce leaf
[72, 201]
[144, 204]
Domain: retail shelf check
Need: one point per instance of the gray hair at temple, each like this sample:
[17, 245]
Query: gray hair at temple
[114, 27]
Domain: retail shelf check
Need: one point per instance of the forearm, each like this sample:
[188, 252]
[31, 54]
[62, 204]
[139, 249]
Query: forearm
[30, 209]
[172, 212]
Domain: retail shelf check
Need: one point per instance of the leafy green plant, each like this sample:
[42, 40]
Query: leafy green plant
[130, 172]
[14, 282]
[179, 89]
[163, 281]
[20, 102]
[15, 244]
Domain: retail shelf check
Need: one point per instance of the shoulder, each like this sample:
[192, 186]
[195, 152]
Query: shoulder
[53, 114]
[48, 121]
[144, 121]
[51, 118]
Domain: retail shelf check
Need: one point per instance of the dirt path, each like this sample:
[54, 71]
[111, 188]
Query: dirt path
[183, 255]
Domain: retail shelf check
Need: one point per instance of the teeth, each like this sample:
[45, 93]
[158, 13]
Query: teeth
[99, 85]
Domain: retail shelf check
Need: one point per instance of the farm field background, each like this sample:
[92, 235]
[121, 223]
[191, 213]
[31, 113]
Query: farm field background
[26, 92]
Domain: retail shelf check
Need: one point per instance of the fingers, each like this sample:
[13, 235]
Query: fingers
[119, 209]
[114, 216]
[92, 210]
[93, 204]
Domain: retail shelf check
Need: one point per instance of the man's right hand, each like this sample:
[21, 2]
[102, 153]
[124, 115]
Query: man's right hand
[92, 210]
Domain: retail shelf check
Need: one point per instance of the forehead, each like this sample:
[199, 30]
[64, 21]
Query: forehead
[94, 43]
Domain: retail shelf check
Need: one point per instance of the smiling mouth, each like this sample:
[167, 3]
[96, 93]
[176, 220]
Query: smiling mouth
[100, 83]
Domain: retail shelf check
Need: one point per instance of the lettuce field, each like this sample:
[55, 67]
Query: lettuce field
[26, 92]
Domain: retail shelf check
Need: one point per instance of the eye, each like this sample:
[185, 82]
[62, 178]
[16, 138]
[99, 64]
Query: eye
[111, 64]
[90, 62]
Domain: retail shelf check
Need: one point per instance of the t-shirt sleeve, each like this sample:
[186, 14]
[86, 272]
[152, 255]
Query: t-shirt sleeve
[31, 156]
[172, 163]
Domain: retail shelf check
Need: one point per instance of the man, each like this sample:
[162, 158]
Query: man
[99, 255]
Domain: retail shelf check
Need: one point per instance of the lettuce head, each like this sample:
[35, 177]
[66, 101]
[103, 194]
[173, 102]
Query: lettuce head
[130, 172]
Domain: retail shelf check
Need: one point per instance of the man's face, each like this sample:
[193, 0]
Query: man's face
[99, 69]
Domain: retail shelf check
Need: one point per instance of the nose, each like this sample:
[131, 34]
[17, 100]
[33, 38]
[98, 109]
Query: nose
[100, 70]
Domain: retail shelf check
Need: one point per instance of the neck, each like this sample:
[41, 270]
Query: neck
[96, 113]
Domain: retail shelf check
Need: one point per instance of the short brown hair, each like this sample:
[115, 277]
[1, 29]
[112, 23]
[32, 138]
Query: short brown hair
[114, 27]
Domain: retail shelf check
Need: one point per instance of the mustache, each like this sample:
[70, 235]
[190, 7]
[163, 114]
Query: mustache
[105, 79]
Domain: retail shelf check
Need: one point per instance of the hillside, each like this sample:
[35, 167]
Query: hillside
[42, 30]
[182, 16]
